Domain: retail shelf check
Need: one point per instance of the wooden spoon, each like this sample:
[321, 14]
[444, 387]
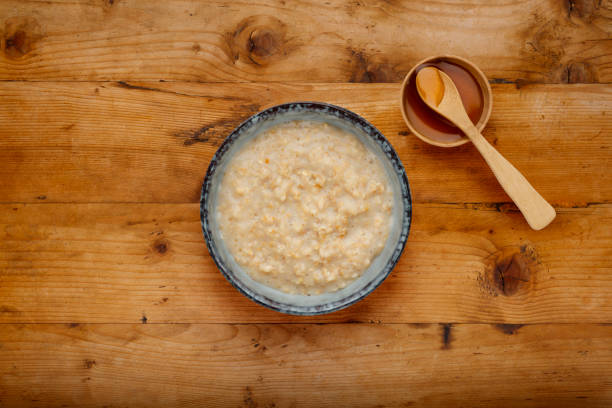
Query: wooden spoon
[440, 93]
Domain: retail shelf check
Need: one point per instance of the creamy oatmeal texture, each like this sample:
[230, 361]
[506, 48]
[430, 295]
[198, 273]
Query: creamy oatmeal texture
[305, 207]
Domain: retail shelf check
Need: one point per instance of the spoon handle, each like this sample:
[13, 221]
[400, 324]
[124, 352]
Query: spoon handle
[536, 210]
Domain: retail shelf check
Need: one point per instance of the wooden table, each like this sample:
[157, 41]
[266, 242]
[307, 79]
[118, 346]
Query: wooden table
[110, 111]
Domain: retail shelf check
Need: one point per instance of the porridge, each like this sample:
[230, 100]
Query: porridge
[305, 207]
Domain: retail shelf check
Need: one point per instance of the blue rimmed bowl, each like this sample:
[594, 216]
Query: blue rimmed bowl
[380, 267]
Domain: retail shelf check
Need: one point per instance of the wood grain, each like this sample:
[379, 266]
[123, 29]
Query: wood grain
[305, 365]
[152, 142]
[334, 41]
[127, 263]
[108, 297]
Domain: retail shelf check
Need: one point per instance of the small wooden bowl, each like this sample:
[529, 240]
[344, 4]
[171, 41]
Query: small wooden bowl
[482, 82]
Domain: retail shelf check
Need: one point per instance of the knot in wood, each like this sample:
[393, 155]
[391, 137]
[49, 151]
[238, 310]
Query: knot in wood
[511, 273]
[578, 73]
[258, 40]
[160, 246]
[263, 43]
[510, 270]
[20, 34]
[370, 68]
[585, 10]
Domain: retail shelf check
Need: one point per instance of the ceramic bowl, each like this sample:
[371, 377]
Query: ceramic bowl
[380, 267]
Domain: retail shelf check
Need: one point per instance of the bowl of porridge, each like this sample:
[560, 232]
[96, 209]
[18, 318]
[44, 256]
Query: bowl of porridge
[305, 208]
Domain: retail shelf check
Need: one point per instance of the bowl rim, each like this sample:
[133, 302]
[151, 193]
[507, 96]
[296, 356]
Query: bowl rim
[480, 77]
[406, 196]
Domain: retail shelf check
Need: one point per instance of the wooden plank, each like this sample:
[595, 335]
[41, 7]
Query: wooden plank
[152, 142]
[355, 365]
[126, 263]
[334, 41]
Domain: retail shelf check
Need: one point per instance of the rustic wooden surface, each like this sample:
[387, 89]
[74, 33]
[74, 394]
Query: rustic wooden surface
[264, 365]
[151, 142]
[115, 263]
[110, 111]
[283, 40]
